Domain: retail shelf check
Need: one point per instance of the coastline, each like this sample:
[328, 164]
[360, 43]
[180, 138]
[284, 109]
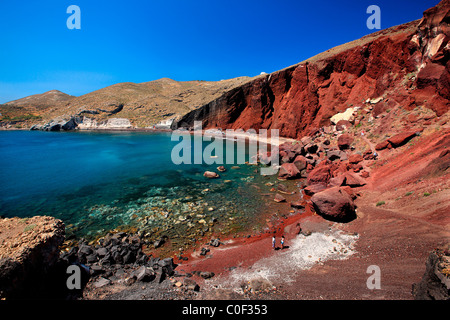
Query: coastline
[248, 257]
[254, 137]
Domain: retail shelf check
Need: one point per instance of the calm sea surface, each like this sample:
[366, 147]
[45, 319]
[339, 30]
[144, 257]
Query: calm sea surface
[97, 181]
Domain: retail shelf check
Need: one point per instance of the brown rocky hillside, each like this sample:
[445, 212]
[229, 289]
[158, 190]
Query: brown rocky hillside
[144, 104]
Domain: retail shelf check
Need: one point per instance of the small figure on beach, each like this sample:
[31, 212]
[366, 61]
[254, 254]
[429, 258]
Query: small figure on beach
[273, 242]
[299, 228]
[282, 242]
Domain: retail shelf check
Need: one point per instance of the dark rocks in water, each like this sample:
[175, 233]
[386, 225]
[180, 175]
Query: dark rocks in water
[283, 189]
[72, 124]
[58, 125]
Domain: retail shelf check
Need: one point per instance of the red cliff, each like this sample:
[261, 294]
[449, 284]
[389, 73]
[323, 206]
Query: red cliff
[406, 65]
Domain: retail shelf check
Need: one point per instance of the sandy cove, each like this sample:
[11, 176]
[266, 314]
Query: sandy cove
[332, 262]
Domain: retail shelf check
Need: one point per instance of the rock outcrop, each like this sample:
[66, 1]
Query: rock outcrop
[84, 123]
[29, 252]
[435, 283]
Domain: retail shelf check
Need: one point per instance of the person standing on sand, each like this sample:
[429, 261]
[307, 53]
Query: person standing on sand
[273, 242]
[282, 242]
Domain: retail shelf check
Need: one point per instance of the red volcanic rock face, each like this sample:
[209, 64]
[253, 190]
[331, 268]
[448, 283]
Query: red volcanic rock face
[302, 98]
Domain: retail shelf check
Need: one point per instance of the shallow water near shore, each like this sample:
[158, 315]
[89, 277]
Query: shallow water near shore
[98, 181]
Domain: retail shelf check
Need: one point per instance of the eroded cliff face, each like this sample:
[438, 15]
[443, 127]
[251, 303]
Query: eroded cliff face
[405, 66]
[29, 253]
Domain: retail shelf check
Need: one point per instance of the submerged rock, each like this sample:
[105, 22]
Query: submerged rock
[279, 198]
[211, 175]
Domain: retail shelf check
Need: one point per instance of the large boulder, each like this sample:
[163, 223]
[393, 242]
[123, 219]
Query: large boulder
[355, 158]
[313, 189]
[300, 162]
[383, 145]
[319, 175]
[337, 155]
[352, 180]
[344, 141]
[288, 171]
[402, 138]
[334, 204]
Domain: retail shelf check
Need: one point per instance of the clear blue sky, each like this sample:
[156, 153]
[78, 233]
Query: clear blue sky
[139, 41]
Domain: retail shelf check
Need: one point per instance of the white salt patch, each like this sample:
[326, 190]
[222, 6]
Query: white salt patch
[303, 253]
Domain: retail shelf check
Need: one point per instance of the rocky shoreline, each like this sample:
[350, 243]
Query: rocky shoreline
[329, 169]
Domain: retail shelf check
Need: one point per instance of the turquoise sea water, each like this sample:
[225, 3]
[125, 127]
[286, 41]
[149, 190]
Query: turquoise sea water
[97, 181]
